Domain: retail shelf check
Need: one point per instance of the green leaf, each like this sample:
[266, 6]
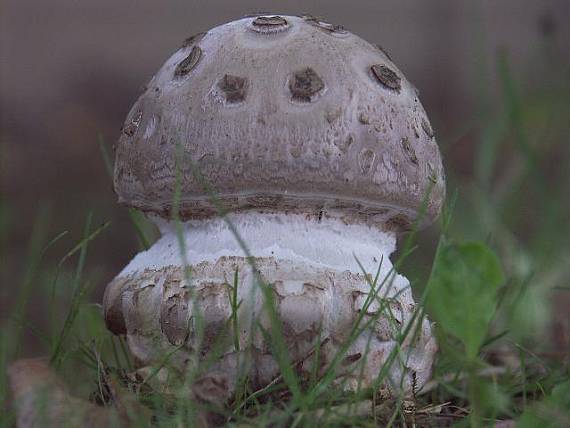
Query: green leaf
[462, 291]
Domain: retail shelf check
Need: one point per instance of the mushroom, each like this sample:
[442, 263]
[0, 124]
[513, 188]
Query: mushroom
[310, 143]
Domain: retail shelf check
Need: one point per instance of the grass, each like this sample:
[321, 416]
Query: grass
[489, 288]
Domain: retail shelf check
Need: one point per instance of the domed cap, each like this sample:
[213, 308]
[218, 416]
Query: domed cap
[281, 113]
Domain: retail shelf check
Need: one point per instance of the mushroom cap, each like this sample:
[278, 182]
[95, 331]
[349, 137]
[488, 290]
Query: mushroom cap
[280, 113]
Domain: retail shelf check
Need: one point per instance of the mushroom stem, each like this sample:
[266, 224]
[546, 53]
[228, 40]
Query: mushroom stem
[323, 274]
[317, 240]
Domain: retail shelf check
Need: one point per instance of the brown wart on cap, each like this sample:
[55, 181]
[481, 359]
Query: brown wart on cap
[234, 88]
[269, 24]
[387, 77]
[188, 63]
[305, 85]
[132, 125]
[324, 25]
[427, 128]
[409, 150]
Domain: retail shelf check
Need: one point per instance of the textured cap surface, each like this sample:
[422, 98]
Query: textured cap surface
[281, 113]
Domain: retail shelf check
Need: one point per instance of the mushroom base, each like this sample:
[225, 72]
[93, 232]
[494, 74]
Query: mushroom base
[313, 281]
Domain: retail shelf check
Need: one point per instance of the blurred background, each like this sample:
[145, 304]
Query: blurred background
[494, 77]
